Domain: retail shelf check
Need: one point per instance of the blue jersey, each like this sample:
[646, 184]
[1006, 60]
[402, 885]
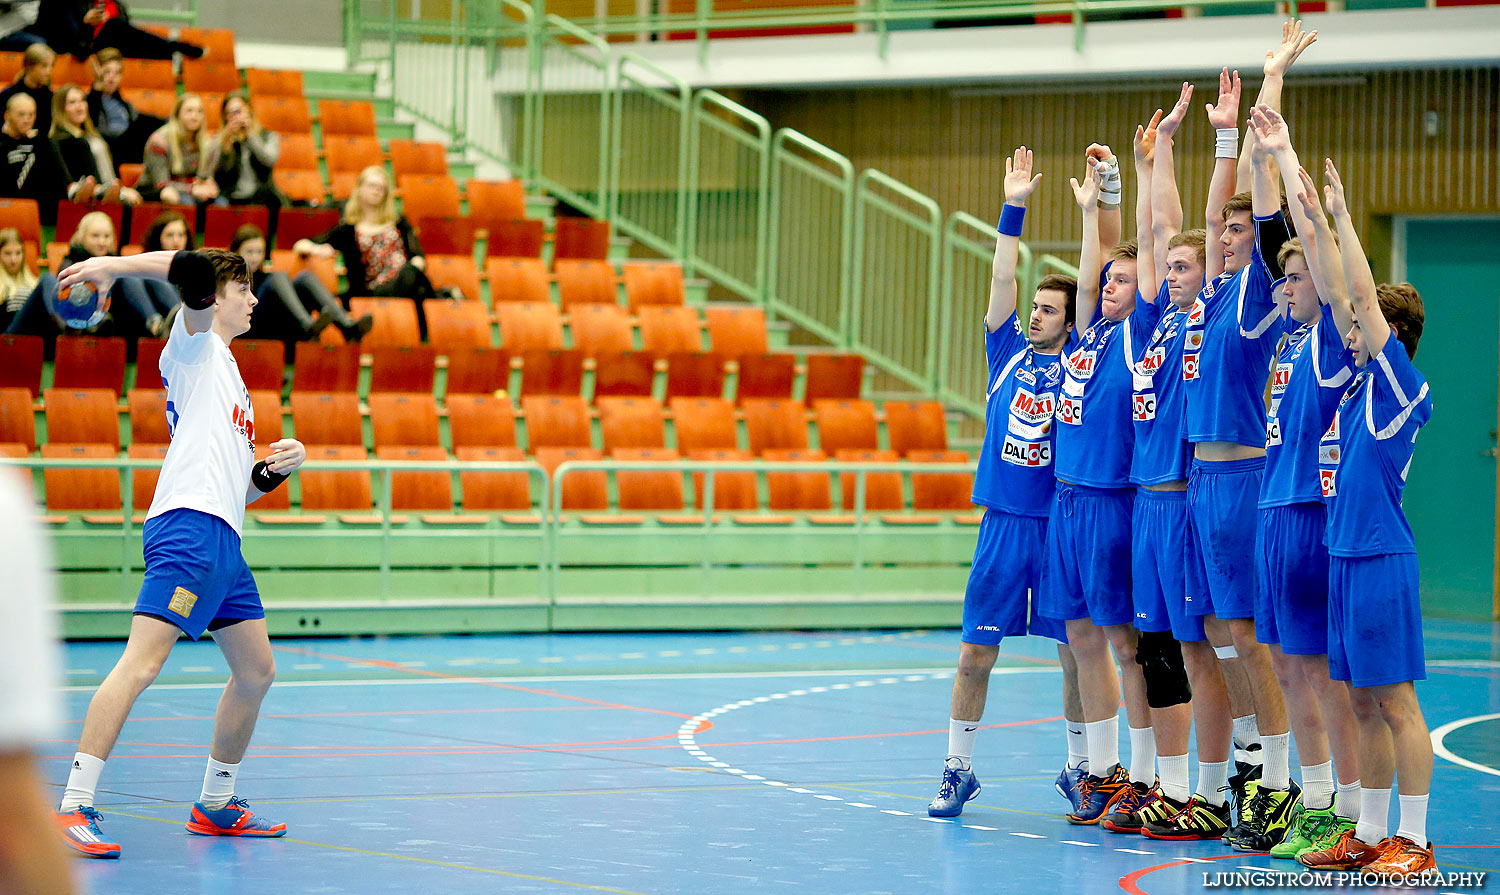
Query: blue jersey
[1158, 401]
[1365, 455]
[1094, 439]
[1015, 465]
[1232, 360]
[1312, 370]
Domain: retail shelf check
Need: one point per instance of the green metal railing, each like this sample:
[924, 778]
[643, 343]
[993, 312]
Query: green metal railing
[183, 12]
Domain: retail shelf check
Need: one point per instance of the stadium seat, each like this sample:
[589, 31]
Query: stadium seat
[631, 423]
[143, 481]
[350, 154]
[71, 490]
[23, 215]
[326, 418]
[765, 376]
[148, 416]
[148, 362]
[213, 114]
[732, 490]
[456, 324]
[143, 214]
[446, 235]
[298, 152]
[585, 282]
[70, 213]
[265, 82]
[491, 491]
[529, 325]
[882, 489]
[10, 65]
[481, 421]
[130, 173]
[798, 490]
[916, 426]
[410, 157]
[202, 76]
[580, 238]
[517, 279]
[703, 424]
[152, 74]
[846, 425]
[262, 363]
[695, 374]
[623, 374]
[580, 490]
[346, 118]
[658, 490]
[293, 224]
[600, 328]
[156, 103]
[493, 200]
[666, 329]
[405, 368]
[395, 321]
[266, 405]
[736, 331]
[455, 272]
[335, 489]
[82, 416]
[941, 491]
[775, 425]
[477, 371]
[653, 283]
[217, 42]
[554, 371]
[418, 490]
[325, 368]
[21, 363]
[556, 421]
[68, 70]
[428, 196]
[403, 420]
[220, 222]
[292, 264]
[834, 376]
[512, 238]
[17, 420]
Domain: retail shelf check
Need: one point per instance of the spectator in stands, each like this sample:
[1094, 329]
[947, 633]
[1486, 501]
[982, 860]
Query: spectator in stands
[35, 80]
[122, 126]
[286, 303]
[29, 165]
[17, 279]
[151, 299]
[46, 313]
[18, 24]
[247, 153]
[181, 158]
[379, 247]
[83, 152]
[82, 27]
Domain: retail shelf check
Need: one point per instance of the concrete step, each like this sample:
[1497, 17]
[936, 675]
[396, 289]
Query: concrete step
[329, 83]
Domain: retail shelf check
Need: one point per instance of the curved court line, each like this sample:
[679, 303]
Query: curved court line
[1441, 750]
[1128, 881]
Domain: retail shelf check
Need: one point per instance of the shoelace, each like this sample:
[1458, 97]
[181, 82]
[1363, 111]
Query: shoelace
[1259, 810]
[238, 803]
[950, 784]
[1316, 826]
[93, 816]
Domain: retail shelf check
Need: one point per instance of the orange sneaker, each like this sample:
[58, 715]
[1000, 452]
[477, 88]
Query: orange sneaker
[1402, 857]
[1346, 853]
[80, 830]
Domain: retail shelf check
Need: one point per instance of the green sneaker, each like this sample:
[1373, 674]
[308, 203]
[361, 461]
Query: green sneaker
[1307, 825]
[1329, 837]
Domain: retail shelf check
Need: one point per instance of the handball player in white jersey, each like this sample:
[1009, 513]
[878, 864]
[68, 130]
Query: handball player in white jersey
[196, 579]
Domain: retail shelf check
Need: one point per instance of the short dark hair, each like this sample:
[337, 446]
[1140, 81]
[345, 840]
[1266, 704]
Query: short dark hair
[244, 234]
[229, 267]
[1238, 202]
[1067, 286]
[1125, 251]
[1402, 306]
[151, 242]
[1197, 240]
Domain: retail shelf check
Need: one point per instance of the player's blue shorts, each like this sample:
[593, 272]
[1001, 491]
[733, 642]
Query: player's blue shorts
[1291, 605]
[1007, 570]
[1164, 569]
[1222, 498]
[196, 577]
[1374, 620]
[1087, 571]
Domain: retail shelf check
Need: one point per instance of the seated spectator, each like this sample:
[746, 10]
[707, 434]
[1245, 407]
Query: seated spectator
[286, 304]
[48, 314]
[125, 129]
[83, 152]
[17, 280]
[247, 153]
[29, 165]
[379, 247]
[35, 80]
[152, 300]
[18, 24]
[180, 158]
[81, 27]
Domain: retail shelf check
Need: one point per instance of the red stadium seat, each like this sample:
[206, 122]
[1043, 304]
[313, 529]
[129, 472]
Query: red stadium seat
[262, 363]
[17, 420]
[293, 224]
[623, 374]
[90, 362]
[477, 371]
[765, 376]
[834, 376]
[325, 368]
[580, 238]
[518, 238]
[21, 363]
[220, 222]
[554, 371]
[148, 416]
[406, 368]
[695, 374]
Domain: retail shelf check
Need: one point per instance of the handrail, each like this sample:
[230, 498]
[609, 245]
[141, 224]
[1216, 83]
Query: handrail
[187, 16]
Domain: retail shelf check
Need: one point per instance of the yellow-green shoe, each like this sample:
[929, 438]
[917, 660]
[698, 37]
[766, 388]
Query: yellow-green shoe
[1329, 837]
[1308, 824]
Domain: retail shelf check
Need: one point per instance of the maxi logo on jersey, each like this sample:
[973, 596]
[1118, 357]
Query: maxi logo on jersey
[1028, 436]
[1281, 378]
[1080, 369]
[243, 421]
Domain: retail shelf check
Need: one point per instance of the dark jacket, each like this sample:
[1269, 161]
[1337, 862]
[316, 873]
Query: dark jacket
[31, 169]
[60, 23]
[78, 160]
[43, 97]
[344, 240]
[96, 108]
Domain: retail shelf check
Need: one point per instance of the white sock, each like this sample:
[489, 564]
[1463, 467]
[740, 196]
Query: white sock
[1078, 745]
[82, 781]
[1374, 815]
[1142, 756]
[1212, 777]
[1348, 801]
[1174, 776]
[1247, 730]
[961, 742]
[1317, 785]
[1413, 819]
[1104, 744]
[1276, 752]
[218, 784]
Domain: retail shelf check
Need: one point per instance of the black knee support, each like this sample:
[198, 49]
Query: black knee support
[1160, 658]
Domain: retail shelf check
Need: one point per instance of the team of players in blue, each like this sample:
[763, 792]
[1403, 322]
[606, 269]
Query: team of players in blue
[1192, 473]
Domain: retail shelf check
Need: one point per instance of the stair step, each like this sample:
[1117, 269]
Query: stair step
[327, 83]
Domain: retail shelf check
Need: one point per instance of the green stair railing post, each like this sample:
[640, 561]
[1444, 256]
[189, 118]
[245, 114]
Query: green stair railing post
[968, 259]
[702, 9]
[648, 150]
[800, 168]
[565, 169]
[746, 161]
[891, 320]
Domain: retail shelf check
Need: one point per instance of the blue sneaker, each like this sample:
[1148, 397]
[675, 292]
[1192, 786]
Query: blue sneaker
[958, 787]
[1069, 785]
[1098, 795]
[234, 819]
[80, 830]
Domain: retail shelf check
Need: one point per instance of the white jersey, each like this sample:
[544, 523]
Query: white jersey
[28, 638]
[212, 424]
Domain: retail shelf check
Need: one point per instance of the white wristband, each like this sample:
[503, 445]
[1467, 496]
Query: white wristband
[1109, 198]
[1227, 142]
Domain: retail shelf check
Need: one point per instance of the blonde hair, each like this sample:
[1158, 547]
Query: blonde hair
[353, 209]
[60, 121]
[23, 282]
[175, 136]
[94, 217]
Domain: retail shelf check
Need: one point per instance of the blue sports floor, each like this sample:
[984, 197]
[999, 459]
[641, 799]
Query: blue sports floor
[679, 763]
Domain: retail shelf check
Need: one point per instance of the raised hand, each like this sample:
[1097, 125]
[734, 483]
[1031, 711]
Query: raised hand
[1308, 194]
[1019, 184]
[1293, 42]
[1270, 130]
[1226, 113]
[1099, 151]
[1145, 139]
[1087, 193]
[1173, 121]
[98, 272]
[1333, 190]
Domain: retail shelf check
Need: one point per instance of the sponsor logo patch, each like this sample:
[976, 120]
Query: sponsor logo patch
[1325, 478]
[1024, 375]
[1070, 410]
[1026, 453]
[1031, 407]
[1143, 408]
[182, 602]
[1190, 366]
[1081, 364]
[1273, 431]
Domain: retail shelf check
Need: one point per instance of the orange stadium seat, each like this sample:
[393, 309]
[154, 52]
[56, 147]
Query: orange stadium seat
[552, 371]
[21, 363]
[456, 324]
[585, 282]
[631, 423]
[67, 70]
[143, 481]
[517, 279]
[600, 328]
[916, 426]
[846, 425]
[266, 405]
[152, 74]
[426, 195]
[218, 43]
[298, 153]
[580, 238]
[703, 424]
[148, 362]
[732, 490]
[270, 82]
[623, 374]
[418, 490]
[17, 421]
[262, 363]
[775, 425]
[882, 489]
[490, 491]
[798, 490]
[736, 331]
[418, 157]
[493, 200]
[148, 416]
[941, 491]
[765, 376]
[10, 65]
[82, 416]
[156, 103]
[350, 154]
[395, 320]
[292, 264]
[481, 421]
[335, 489]
[327, 418]
[70, 213]
[834, 376]
[403, 420]
[658, 490]
[454, 272]
[667, 328]
[695, 374]
[70, 490]
[23, 215]
[519, 238]
[325, 368]
[403, 368]
[529, 325]
[653, 283]
[446, 235]
[207, 76]
[556, 421]
[581, 490]
[213, 115]
[347, 118]
[477, 371]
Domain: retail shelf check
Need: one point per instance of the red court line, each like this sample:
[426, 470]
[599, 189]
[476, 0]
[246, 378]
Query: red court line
[1129, 882]
[553, 708]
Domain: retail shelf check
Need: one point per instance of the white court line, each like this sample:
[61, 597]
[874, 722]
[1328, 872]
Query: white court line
[1442, 751]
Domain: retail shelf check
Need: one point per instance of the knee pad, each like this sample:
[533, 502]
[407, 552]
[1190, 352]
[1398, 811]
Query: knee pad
[1160, 658]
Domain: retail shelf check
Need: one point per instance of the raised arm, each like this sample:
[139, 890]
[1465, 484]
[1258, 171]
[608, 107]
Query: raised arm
[1166, 203]
[1019, 185]
[1111, 218]
[1091, 254]
[1224, 116]
[1322, 253]
[102, 271]
[1356, 266]
[1278, 61]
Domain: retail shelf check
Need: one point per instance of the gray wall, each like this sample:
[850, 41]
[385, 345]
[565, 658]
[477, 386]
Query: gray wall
[269, 21]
